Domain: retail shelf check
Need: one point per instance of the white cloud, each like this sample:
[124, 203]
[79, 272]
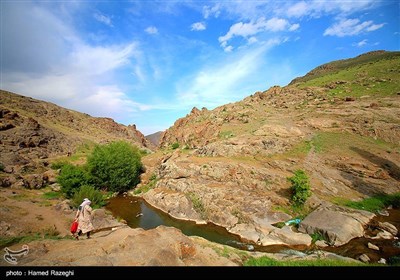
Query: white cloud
[351, 27]
[294, 27]
[299, 9]
[109, 101]
[72, 73]
[198, 26]
[361, 43]
[151, 30]
[248, 30]
[103, 18]
[100, 59]
[211, 11]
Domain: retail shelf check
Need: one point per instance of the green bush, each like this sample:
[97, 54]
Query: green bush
[87, 191]
[71, 178]
[115, 166]
[1, 167]
[175, 145]
[300, 187]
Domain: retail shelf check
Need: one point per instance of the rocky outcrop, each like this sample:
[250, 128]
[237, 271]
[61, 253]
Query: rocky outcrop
[337, 224]
[162, 246]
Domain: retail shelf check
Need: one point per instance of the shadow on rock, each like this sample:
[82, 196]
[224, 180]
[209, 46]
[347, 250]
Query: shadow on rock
[389, 166]
[360, 185]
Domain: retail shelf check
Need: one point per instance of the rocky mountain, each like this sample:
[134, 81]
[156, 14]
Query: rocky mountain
[340, 124]
[155, 138]
[33, 131]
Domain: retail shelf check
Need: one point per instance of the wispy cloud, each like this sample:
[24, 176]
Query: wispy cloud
[103, 18]
[221, 83]
[351, 27]
[151, 30]
[198, 26]
[318, 8]
[361, 43]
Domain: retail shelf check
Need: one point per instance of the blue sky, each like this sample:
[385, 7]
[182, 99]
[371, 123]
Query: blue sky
[150, 62]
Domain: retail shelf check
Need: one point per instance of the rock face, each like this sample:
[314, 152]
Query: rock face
[337, 224]
[162, 246]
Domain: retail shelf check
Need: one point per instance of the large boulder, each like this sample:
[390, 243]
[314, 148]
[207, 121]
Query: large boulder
[162, 246]
[337, 224]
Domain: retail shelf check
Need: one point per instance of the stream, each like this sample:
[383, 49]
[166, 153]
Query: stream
[139, 214]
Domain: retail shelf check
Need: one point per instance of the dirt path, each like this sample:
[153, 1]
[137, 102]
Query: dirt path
[27, 212]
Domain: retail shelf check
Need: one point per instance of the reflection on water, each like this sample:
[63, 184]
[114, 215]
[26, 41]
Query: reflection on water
[139, 214]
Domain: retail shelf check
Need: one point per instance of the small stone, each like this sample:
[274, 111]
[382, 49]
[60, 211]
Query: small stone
[382, 261]
[373, 247]
[364, 258]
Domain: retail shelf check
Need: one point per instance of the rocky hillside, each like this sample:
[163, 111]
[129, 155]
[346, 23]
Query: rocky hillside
[340, 124]
[155, 138]
[32, 132]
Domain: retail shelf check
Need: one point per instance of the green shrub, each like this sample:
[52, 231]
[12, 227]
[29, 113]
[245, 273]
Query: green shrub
[1, 167]
[87, 191]
[116, 166]
[300, 187]
[71, 178]
[175, 145]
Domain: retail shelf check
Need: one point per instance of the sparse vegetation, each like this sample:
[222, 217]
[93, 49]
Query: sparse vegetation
[300, 188]
[266, 261]
[226, 134]
[197, 204]
[47, 233]
[316, 237]
[175, 145]
[145, 188]
[52, 195]
[1, 167]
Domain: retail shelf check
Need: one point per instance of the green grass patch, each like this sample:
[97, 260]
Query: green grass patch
[226, 134]
[266, 261]
[52, 195]
[333, 142]
[373, 203]
[379, 77]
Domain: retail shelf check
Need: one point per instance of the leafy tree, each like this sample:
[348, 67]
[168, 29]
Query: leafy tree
[71, 178]
[300, 187]
[115, 166]
[87, 191]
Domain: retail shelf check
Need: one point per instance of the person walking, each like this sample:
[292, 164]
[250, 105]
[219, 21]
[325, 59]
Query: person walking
[84, 217]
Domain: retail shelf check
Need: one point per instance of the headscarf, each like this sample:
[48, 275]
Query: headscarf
[85, 202]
